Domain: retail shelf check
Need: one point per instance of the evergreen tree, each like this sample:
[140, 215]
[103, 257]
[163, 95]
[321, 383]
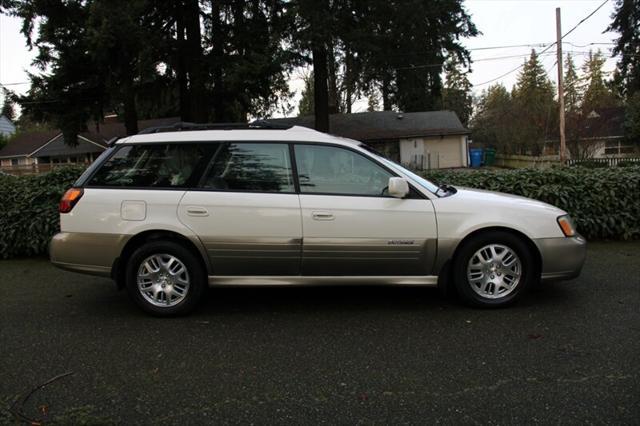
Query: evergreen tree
[412, 40]
[373, 100]
[626, 22]
[398, 46]
[572, 97]
[8, 106]
[494, 121]
[117, 42]
[596, 93]
[456, 95]
[305, 107]
[534, 100]
[572, 102]
[315, 28]
[632, 120]
[71, 90]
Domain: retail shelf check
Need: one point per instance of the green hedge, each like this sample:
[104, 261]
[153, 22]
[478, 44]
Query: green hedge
[29, 210]
[604, 202]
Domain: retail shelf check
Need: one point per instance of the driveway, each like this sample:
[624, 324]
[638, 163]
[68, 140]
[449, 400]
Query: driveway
[569, 353]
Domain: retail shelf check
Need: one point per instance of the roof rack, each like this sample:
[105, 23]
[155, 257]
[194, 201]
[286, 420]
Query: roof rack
[182, 126]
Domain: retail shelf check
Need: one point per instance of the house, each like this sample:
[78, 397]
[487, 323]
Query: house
[600, 134]
[603, 130]
[38, 151]
[7, 128]
[422, 140]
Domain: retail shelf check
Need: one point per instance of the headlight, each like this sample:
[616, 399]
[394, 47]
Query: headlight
[566, 224]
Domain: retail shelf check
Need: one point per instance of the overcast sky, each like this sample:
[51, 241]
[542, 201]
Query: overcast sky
[501, 22]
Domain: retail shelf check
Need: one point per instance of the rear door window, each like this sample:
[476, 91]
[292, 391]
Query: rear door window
[244, 166]
[152, 166]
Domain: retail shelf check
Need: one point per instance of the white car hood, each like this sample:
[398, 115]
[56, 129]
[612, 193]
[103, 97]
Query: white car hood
[480, 197]
[471, 209]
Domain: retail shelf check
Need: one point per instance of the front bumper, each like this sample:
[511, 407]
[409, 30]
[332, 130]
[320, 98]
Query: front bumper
[562, 257]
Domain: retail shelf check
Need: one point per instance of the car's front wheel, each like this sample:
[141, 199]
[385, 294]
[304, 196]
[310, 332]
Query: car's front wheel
[493, 269]
[165, 279]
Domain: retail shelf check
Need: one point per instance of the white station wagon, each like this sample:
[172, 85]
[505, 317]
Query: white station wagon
[171, 210]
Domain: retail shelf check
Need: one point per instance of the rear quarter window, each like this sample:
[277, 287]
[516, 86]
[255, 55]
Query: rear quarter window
[152, 166]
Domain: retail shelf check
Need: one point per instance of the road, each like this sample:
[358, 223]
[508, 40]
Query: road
[568, 353]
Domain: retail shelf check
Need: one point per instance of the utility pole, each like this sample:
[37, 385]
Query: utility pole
[563, 143]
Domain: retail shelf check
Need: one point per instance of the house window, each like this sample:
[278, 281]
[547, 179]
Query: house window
[14, 161]
[615, 147]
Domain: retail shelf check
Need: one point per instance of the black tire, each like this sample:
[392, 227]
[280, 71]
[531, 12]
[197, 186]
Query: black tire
[470, 247]
[196, 275]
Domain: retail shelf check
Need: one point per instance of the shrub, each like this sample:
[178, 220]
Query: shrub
[628, 163]
[29, 210]
[604, 202]
[591, 164]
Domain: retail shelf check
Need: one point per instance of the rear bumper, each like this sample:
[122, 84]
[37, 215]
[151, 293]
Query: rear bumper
[87, 253]
[562, 258]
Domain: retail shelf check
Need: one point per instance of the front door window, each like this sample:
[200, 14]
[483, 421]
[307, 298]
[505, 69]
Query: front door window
[338, 171]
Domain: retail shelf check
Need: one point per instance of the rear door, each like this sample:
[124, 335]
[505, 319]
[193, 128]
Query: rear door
[351, 226]
[246, 211]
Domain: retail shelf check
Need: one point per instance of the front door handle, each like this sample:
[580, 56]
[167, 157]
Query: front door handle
[322, 216]
[197, 211]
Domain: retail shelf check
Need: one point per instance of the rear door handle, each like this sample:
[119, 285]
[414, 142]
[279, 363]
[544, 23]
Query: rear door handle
[197, 211]
[322, 216]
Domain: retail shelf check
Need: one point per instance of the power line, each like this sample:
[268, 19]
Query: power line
[584, 19]
[588, 44]
[547, 48]
[508, 46]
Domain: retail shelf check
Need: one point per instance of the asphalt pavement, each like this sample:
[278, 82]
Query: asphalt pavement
[568, 353]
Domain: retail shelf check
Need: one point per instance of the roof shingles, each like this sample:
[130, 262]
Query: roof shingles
[27, 143]
[384, 125]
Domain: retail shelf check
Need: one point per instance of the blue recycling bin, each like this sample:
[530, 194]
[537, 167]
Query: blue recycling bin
[476, 157]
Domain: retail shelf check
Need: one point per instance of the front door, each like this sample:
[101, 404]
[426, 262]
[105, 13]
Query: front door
[351, 226]
[246, 211]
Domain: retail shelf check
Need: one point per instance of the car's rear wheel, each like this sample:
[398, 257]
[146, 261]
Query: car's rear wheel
[165, 279]
[493, 269]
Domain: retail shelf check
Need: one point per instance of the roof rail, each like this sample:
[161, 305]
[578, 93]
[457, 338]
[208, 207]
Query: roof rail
[183, 126]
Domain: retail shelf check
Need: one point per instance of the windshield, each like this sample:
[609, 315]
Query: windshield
[429, 186]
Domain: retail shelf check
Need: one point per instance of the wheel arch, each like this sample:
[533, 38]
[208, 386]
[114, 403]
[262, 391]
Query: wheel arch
[119, 265]
[445, 270]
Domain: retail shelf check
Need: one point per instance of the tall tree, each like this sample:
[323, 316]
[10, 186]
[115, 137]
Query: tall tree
[534, 100]
[632, 120]
[396, 46]
[254, 74]
[8, 105]
[373, 100]
[572, 105]
[315, 25]
[626, 22]
[493, 122]
[305, 107]
[407, 47]
[70, 91]
[572, 98]
[117, 45]
[596, 92]
[456, 95]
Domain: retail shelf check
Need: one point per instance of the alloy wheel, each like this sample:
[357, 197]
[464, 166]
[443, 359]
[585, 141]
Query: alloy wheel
[494, 271]
[163, 280]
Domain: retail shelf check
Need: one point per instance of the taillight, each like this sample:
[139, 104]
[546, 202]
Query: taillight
[70, 199]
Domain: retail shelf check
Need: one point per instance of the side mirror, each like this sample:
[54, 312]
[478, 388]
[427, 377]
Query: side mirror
[398, 187]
